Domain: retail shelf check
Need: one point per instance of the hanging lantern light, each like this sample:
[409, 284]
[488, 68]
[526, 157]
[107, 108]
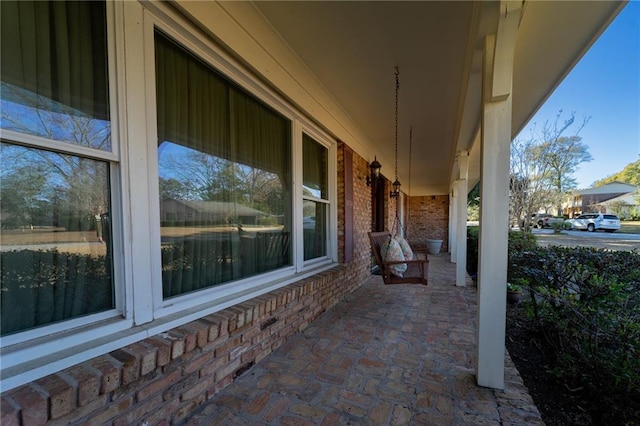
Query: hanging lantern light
[396, 189]
[375, 167]
[396, 185]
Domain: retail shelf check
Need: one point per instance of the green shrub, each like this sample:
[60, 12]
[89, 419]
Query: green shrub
[522, 241]
[268, 221]
[632, 214]
[560, 226]
[586, 302]
[473, 232]
[193, 265]
[518, 241]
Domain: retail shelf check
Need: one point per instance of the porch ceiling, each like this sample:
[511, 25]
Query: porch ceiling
[352, 49]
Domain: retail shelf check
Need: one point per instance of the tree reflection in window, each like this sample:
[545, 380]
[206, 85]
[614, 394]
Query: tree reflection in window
[56, 237]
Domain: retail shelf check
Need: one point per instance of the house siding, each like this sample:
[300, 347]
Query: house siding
[594, 199]
[590, 201]
[162, 379]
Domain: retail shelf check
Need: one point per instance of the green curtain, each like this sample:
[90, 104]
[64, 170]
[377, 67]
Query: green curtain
[56, 50]
[192, 101]
[260, 137]
[53, 57]
[315, 159]
[200, 109]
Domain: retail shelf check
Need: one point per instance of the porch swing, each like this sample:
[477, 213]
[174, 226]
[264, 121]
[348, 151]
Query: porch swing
[397, 262]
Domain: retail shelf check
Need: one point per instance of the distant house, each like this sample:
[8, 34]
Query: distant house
[621, 205]
[609, 198]
[217, 212]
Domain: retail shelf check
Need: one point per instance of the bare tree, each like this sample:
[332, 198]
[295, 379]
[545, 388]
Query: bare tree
[530, 185]
[562, 154]
[71, 183]
[194, 175]
[542, 167]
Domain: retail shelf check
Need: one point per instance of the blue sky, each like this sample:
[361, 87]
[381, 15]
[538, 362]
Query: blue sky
[604, 85]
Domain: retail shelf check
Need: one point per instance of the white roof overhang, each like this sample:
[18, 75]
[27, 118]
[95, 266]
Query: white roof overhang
[335, 60]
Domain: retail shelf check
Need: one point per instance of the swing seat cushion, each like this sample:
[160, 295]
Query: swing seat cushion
[392, 252]
[406, 248]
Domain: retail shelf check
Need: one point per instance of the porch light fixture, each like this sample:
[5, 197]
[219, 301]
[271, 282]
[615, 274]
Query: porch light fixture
[396, 185]
[375, 167]
[396, 189]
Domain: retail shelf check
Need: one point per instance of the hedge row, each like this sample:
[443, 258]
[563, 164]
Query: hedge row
[586, 302]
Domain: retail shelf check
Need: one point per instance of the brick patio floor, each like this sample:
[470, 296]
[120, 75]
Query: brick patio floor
[387, 355]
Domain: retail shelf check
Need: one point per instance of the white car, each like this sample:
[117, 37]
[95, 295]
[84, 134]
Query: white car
[593, 221]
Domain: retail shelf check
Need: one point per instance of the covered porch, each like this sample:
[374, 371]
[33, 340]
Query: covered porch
[304, 99]
[385, 355]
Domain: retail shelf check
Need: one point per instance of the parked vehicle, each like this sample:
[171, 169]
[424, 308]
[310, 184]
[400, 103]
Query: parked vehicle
[594, 221]
[544, 220]
[539, 219]
[553, 220]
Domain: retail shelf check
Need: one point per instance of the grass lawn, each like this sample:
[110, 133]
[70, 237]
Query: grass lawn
[629, 227]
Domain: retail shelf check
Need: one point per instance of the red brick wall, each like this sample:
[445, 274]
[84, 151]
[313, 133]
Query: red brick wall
[428, 218]
[162, 379]
[361, 210]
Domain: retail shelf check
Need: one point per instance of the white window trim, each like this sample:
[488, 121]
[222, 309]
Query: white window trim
[331, 200]
[61, 147]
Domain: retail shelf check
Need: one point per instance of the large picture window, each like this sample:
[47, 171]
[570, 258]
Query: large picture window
[224, 169]
[56, 245]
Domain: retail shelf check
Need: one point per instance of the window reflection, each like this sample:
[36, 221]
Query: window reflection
[314, 229]
[54, 211]
[220, 220]
[29, 113]
[56, 237]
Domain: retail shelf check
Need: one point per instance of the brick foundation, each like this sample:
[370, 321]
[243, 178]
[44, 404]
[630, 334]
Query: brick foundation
[160, 380]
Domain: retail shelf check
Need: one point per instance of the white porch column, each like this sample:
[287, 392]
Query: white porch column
[461, 219]
[494, 197]
[453, 239]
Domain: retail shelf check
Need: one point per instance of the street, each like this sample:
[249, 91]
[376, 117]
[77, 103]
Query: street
[599, 239]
